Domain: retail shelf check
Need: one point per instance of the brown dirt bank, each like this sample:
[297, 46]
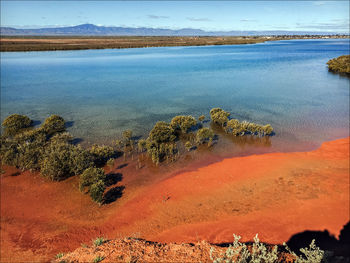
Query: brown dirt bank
[141, 251]
[275, 195]
[45, 43]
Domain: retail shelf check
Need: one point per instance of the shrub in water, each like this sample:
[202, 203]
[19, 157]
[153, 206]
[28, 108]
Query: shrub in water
[183, 123]
[15, 123]
[203, 135]
[54, 124]
[162, 132]
[219, 116]
[101, 154]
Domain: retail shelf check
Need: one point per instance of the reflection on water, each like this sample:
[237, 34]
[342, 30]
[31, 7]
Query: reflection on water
[284, 83]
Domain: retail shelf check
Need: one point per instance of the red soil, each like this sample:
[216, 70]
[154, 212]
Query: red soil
[276, 195]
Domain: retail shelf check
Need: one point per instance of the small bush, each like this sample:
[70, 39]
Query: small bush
[127, 134]
[110, 163]
[188, 145]
[98, 259]
[64, 137]
[219, 116]
[340, 64]
[96, 191]
[91, 176]
[183, 123]
[57, 163]
[59, 255]
[53, 125]
[99, 241]
[80, 160]
[203, 135]
[141, 145]
[240, 253]
[101, 154]
[162, 132]
[9, 152]
[16, 123]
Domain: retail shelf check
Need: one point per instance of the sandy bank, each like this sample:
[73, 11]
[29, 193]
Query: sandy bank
[276, 195]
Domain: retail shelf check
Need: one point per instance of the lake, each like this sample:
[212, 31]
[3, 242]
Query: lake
[103, 92]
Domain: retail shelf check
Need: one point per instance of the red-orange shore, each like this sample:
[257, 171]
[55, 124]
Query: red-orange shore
[275, 195]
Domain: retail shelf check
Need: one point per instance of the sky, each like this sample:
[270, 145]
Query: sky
[302, 15]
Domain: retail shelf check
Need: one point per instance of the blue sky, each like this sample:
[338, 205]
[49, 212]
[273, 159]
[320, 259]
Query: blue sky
[329, 16]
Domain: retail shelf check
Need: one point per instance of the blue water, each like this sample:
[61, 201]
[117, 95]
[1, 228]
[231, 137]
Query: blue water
[103, 92]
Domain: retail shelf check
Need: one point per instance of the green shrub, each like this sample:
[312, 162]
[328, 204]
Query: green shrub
[59, 255]
[183, 123]
[98, 259]
[53, 125]
[340, 64]
[57, 163]
[110, 163]
[188, 145]
[203, 135]
[16, 123]
[91, 176]
[9, 152]
[99, 241]
[80, 160]
[240, 253]
[96, 191]
[127, 134]
[219, 116]
[62, 160]
[64, 137]
[142, 144]
[24, 150]
[31, 146]
[101, 154]
[162, 132]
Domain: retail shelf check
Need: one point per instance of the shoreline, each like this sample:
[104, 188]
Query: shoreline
[210, 203]
[69, 43]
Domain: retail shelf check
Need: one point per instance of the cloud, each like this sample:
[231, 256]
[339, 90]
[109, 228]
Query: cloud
[248, 20]
[319, 3]
[197, 19]
[343, 25]
[157, 17]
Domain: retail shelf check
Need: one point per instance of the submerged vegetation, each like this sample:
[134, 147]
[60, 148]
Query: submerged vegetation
[237, 128]
[340, 64]
[50, 149]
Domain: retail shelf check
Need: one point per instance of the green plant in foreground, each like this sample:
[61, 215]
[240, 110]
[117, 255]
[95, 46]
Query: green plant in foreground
[99, 241]
[240, 253]
[98, 259]
[59, 255]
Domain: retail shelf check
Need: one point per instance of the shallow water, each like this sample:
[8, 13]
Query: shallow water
[103, 92]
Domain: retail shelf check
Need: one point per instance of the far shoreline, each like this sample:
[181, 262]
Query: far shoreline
[69, 43]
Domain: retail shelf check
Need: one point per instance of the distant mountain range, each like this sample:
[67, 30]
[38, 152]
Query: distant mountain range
[93, 30]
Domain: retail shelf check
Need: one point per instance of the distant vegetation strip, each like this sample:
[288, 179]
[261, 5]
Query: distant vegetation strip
[51, 43]
[340, 64]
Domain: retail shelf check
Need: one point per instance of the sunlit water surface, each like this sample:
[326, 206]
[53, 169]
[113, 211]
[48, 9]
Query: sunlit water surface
[103, 92]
